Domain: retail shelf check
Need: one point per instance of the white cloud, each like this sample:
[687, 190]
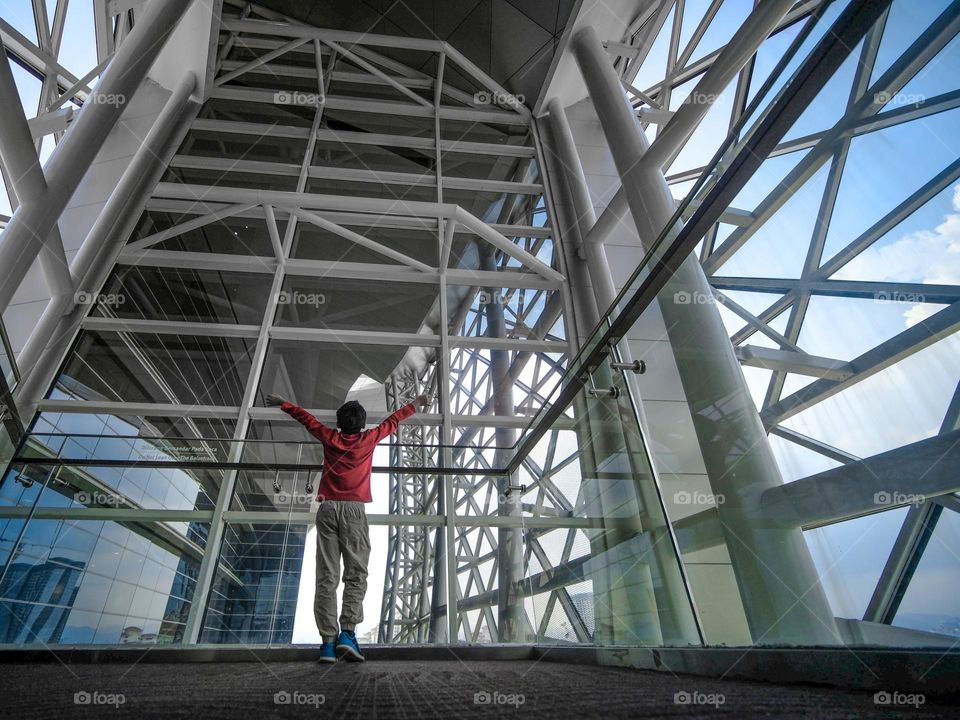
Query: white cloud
[923, 256]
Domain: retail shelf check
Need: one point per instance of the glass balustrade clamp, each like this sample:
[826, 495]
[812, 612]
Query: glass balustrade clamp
[638, 367]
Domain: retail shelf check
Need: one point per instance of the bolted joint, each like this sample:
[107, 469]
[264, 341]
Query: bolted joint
[637, 367]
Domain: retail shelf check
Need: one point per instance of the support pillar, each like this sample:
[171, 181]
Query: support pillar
[781, 592]
[510, 613]
[580, 204]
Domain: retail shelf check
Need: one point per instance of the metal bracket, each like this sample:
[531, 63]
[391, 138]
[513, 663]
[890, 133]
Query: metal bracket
[611, 392]
[637, 367]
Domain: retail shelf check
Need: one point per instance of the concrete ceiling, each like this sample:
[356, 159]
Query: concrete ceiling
[513, 41]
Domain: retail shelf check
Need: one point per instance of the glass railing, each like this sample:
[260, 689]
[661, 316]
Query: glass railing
[106, 450]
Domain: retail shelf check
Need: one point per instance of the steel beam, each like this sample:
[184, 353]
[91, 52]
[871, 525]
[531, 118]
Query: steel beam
[908, 475]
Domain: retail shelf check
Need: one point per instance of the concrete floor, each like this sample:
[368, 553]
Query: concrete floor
[451, 688]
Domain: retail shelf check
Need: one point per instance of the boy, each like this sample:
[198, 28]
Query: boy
[341, 520]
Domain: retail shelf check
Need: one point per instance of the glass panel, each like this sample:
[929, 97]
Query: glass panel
[485, 132]
[769, 54]
[133, 425]
[322, 374]
[918, 250]
[254, 595]
[141, 367]
[355, 304]
[279, 178]
[295, 115]
[729, 17]
[268, 148]
[590, 475]
[78, 51]
[905, 21]
[869, 189]
[850, 557]
[654, 67]
[182, 294]
[425, 189]
[931, 602]
[375, 158]
[231, 236]
[91, 581]
[19, 13]
[338, 119]
[493, 167]
[90, 486]
[314, 243]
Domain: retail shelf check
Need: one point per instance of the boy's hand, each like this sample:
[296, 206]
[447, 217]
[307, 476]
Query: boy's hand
[274, 400]
[423, 401]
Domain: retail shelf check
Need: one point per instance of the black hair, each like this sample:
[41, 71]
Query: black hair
[351, 417]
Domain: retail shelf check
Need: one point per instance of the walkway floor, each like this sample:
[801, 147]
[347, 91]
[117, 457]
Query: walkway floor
[447, 689]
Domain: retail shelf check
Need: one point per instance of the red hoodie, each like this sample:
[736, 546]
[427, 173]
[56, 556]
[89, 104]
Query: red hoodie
[347, 458]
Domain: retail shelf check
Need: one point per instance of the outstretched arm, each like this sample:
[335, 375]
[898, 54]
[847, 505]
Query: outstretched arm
[389, 426]
[313, 426]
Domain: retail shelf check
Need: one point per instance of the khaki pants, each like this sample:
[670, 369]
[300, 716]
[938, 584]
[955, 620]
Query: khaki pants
[341, 530]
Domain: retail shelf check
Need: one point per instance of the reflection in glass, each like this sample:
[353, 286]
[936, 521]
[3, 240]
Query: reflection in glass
[81, 581]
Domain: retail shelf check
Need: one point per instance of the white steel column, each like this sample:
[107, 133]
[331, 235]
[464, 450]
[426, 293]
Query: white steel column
[778, 582]
[735, 55]
[32, 222]
[23, 168]
[578, 199]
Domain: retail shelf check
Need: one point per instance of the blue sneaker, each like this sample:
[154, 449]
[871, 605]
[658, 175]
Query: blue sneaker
[347, 647]
[327, 653]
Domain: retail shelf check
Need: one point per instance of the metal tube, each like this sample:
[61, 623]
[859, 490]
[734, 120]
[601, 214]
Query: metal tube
[23, 168]
[731, 60]
[778, 583]
[22, 239]
[578, 195]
